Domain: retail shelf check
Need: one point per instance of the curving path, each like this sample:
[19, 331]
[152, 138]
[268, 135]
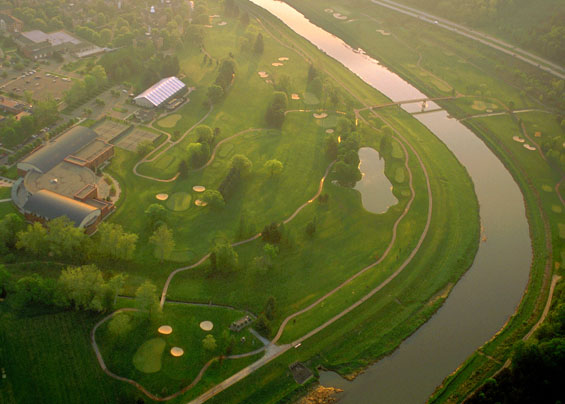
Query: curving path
[162, 150]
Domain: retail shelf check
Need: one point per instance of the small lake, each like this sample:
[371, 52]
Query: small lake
[375, 188]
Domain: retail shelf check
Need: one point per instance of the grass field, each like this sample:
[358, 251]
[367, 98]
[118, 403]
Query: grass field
[347, 237]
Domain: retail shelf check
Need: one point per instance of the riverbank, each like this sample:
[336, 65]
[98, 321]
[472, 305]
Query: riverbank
[536, 202]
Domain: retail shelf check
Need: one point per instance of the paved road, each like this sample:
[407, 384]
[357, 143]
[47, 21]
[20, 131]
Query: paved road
[485, 39]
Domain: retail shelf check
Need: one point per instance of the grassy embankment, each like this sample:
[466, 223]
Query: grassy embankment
[347, 237]
[462, 64]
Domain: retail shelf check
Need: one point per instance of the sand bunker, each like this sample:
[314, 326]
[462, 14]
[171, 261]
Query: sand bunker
[277, 64]
[162, 197]
[320, 116]
[165, 329]
[383, 32]
[329, 10]
[207, 26]
[269, 81]
[537, 134]
[198, 188]
[330, 131]
[176, 351]
[518, 139]
[215, 16]
[200, 202]
[283, 59]
[340, 16]
[207, 325]
[295, 96]
[221, 24]
[527, 146]
[263, 75]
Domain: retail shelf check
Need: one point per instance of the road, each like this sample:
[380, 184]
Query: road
[485, 39]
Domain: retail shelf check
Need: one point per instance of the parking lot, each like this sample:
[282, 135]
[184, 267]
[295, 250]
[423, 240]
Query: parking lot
[41, 84]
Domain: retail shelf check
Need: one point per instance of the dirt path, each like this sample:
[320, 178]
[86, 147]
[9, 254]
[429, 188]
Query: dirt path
[554, 281]
[169, 144]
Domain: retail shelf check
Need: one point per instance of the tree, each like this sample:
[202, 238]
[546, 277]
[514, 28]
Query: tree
[85, 288]
[209, 343]
[213, 198]
[156, 215]
[270, 308]
[63, 238]
[114, 242]
[276, 112]
[331, 146]
[33, 240]
[215, 93]
[242, 164]
[271, 234]
[198, 154]
[347, 175]
[223, 257]
[163, 241]
[244, 19]
[259, 46]
[263, 326]
[10, 225]
[274, 167]
[146, 299]
[204, 134]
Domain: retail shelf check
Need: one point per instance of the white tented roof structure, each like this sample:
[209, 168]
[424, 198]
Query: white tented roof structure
[160, 92]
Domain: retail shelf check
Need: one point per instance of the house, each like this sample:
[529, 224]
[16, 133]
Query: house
[161, 92]
[240, 324]
[11, 106]
[58, 179]
[9, 23]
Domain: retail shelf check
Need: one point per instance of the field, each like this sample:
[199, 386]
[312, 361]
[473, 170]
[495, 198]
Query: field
[346, 240]
[108, 129]
[487, 84]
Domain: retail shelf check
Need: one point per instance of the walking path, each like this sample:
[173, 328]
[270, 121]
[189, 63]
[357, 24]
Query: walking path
[485, 39]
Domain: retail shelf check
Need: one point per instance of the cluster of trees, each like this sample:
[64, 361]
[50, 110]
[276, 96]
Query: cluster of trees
[540, 28]
[536, 373]
[276, 112]
[345, 152]
[223, 258]
[59, 238]
[554, 148]
[123, 64]
[14, 132]
[79, 288]
[199, 152]
[90, 86]
[240, 168]
[226, 74]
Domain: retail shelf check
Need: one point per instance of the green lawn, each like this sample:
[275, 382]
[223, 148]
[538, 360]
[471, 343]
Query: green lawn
[144, 354]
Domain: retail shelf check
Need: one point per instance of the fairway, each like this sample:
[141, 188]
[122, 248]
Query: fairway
[179, 201]
[148, 357]
[169, 121]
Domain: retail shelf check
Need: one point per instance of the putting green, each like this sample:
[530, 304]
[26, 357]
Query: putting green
[179, 201]
[556, 208]
[329, 122]
[147, 359]
[311, 99]
[547, 188]
[169, 121]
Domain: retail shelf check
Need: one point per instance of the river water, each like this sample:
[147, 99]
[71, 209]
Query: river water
[487, 295]
[375, 188]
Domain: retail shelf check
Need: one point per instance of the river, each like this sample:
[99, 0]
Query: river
[487, 295]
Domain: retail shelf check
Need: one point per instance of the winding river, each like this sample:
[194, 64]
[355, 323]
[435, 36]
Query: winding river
[488, 294]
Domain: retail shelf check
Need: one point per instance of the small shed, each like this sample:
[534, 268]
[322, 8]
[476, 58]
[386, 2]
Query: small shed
[240, 324]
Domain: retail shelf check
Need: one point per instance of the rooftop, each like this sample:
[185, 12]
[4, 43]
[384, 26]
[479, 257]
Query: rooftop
[55, 38]
[65, 179]
[162, 90]
[50, 205]
[58, 149]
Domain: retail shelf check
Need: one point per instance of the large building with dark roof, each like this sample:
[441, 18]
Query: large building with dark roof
[37, 44]
[58, 179]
